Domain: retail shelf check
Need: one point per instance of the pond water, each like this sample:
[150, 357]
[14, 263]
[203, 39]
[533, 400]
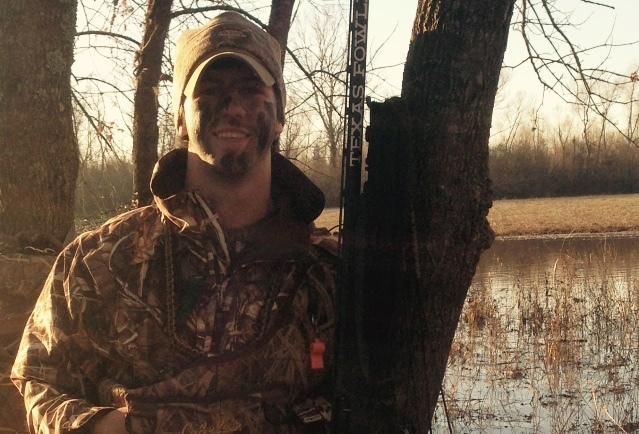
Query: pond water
[548, 341]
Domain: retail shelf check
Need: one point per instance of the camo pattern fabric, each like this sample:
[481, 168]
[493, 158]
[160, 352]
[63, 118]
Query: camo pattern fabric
[225, 351]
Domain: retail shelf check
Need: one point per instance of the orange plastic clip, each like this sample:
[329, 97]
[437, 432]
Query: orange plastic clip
[318, 348]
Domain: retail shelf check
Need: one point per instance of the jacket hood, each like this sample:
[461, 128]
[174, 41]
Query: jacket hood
[289, 185]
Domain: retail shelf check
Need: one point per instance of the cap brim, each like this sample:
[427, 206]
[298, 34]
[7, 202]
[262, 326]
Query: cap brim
[255, 65]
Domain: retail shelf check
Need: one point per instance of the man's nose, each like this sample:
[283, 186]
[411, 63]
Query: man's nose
[233, 105]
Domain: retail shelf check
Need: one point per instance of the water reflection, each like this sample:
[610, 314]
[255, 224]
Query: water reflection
[548, 340]
[512, 259]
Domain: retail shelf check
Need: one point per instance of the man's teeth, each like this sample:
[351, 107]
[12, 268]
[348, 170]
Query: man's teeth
[230, 135]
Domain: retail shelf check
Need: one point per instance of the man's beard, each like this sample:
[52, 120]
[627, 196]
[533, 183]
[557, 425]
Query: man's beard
[234, 166]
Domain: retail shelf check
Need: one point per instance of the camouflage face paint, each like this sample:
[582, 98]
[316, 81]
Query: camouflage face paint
[231, 98]
[259, 121]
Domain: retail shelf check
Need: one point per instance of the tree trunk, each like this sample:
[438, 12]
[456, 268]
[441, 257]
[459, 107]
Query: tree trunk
[38, 149]
[145, 112]
[428, 196]
[279, 22]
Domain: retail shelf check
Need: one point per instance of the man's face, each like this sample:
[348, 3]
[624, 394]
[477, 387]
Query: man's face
[231, 118]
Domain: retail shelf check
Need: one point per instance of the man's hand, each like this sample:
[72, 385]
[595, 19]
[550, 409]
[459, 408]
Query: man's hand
[111, 423]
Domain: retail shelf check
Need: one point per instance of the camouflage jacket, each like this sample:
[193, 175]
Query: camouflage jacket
[194, 328]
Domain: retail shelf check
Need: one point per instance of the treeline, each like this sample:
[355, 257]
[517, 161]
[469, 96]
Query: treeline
[528, 167]
[326, 177]
[103, 188]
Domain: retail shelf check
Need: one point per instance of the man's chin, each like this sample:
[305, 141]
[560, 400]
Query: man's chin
[233, 166]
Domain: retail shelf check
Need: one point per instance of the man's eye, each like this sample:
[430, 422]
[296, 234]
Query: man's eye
[207, 91]
[251, 89]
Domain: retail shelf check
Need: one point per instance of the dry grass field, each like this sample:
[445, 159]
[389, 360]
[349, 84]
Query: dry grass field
[561, 215]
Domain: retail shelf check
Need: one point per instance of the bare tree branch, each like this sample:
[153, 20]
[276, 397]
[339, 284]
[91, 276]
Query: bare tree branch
[591, 103]
[544, 66]
[95, 127]
[103, 33]
[193, 11]
[598, 4]
[122, 92]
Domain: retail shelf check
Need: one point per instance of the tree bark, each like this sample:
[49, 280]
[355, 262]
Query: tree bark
[428, 196]
[279, 22]
[145, 112]
[38, 149]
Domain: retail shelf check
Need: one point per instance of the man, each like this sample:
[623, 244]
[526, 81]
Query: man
[208, 311]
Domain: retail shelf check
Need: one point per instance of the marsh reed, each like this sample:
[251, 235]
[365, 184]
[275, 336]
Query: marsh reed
[552, 351]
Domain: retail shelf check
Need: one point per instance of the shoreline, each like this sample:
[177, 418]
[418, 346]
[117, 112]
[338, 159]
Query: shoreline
[569, 236]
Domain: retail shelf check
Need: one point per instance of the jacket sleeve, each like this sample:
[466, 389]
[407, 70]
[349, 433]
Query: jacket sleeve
[55, 367]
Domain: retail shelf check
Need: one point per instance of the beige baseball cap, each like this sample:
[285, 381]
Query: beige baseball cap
[229, 35]
[260, 70]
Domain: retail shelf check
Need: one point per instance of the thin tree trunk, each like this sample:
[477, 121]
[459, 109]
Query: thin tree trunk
[38, 149]
[279, 22]
[428, 196]
[145, 114]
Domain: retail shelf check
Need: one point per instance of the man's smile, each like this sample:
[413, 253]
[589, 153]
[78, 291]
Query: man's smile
[231, 134]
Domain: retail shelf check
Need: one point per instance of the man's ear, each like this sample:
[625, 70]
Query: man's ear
[182, 132]
[181, 126]
[278, 128]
